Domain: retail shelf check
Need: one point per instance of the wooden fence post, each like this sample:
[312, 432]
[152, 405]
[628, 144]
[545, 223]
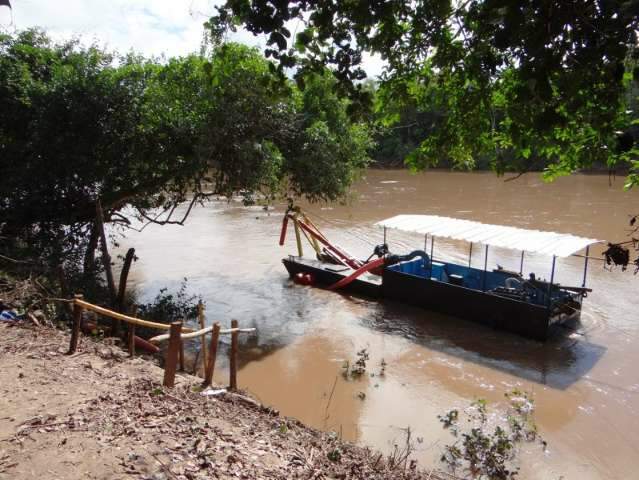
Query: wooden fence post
[132, 340]
[200, 316]
[210, 366]
[172, 354]
[64, 287]
[181, 355]
[77, 321]
[131, 332]
[233, 361]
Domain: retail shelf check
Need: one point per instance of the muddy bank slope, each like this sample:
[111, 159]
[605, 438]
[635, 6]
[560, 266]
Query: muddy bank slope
[100, 415]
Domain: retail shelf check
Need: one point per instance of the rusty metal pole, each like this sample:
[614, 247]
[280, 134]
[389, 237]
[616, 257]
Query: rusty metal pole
[175, 334]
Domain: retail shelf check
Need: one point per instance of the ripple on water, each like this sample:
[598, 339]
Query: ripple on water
[234, 261]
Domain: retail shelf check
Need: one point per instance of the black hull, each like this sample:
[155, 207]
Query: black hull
[324, 277]
[525, 319]
[521, 318]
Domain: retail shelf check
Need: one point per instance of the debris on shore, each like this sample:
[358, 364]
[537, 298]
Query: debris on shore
[100, 414]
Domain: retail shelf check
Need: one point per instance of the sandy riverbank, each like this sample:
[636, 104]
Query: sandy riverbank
[101, 415]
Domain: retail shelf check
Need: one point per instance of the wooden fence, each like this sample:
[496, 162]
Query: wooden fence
[176, 337]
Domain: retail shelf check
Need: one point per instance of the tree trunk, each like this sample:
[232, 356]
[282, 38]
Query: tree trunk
[124, 275]
[89, 255]
[106, 261]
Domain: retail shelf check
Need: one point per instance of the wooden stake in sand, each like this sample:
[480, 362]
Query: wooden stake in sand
[202, 320]
[172, 354]
[77, 321]
[233, 361]
[210, 366]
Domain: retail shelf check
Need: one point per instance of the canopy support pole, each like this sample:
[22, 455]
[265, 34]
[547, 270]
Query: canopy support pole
[521, 263]
[470, 254]
[583, 284]
[384, 235]
[483, 286]
[432, 242]
[552, 279]
[432, 246]
[425, 248]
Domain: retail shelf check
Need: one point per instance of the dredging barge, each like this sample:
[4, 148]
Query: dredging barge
[499, 298]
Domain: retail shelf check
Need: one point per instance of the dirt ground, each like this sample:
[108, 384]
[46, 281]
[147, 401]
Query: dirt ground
[98, 414]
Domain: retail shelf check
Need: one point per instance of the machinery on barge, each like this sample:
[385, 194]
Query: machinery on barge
[499, 298]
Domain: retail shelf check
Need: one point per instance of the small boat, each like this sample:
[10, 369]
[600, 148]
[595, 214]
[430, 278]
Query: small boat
[500, 298]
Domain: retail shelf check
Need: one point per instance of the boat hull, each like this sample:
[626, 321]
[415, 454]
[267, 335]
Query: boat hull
[503, 313]
[326, 275]
[522, 318]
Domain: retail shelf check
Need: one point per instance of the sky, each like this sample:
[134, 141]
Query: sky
[151, 27]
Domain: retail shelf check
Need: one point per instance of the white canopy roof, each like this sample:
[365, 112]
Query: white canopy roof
[549, 243]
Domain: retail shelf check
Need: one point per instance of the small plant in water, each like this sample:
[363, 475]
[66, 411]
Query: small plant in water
[449, 419]
[399, 458]
[485, 451]
[360, 364]
[358, 368]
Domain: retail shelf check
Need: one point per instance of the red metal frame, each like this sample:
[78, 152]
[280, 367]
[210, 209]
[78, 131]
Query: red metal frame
[332, 250]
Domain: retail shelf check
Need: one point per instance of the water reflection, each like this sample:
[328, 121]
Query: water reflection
[558, 363]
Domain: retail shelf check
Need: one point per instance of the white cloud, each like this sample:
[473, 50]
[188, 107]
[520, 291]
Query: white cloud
[150, 27]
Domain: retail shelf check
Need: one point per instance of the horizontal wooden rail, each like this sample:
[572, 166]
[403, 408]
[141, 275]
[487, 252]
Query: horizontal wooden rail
[125, 318]
[200, 333]
[175, 351]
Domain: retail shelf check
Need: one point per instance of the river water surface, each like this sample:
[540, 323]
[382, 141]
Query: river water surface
[585, 383]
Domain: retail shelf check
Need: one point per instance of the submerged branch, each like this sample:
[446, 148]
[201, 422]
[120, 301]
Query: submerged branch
[510, 179]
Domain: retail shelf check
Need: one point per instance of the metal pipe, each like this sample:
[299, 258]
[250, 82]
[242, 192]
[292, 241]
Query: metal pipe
[521, 264]
[483, 287]
[552, 278]
[583, 284]
[384, 234]
[470, 254]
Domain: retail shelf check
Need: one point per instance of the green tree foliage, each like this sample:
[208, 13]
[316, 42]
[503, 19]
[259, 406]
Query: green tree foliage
[75, 128]
[262, 135]
[79, 124]
[523, 83]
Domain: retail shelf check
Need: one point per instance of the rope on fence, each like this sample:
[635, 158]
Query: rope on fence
[125, 318]
[200, 333]
[176, 339]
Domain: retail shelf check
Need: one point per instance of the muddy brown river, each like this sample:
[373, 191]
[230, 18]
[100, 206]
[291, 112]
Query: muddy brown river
[585, 383]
